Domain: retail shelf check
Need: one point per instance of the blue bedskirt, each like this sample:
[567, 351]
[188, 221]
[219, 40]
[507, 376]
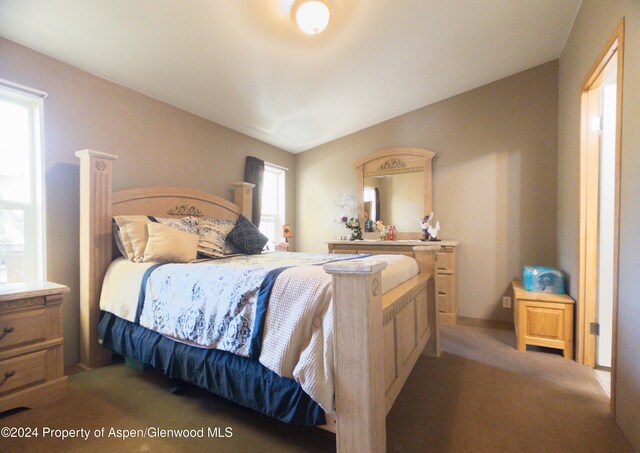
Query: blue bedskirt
[239, 379]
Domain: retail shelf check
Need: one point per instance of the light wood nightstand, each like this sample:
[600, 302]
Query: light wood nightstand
[31, 345]
[543, 319]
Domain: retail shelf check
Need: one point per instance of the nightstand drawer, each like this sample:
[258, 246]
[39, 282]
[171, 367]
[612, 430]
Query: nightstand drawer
[23, 327]
[22, 371]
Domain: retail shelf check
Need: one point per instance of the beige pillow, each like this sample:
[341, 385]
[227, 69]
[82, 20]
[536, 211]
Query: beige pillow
[131, 235]
[168, 245]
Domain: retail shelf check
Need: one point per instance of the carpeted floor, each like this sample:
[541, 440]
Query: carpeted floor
[480, 396]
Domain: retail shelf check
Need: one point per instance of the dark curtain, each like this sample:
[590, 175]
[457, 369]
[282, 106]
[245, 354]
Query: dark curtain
[378, 216]
[254, 173]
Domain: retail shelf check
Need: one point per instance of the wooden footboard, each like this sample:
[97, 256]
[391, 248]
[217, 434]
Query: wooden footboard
[378, 340]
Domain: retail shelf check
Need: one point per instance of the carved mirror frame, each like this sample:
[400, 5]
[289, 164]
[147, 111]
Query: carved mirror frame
[393, 161]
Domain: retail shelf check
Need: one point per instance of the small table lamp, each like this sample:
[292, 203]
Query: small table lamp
[287, 232]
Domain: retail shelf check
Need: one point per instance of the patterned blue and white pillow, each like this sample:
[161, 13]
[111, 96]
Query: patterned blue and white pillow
[186, 224]
[211, 239]
[247, 237]
[226, 225]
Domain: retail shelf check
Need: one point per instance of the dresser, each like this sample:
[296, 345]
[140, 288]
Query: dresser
[31, 345]
[446, 278]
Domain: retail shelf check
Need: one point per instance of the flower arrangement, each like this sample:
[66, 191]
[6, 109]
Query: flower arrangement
[354, 225]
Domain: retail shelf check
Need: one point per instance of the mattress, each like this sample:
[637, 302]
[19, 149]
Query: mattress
[294, 337]
[121, 286]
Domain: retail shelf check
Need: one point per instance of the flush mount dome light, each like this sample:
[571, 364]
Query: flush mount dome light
[312, 16]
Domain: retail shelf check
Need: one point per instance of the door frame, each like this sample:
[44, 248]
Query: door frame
[613, 51]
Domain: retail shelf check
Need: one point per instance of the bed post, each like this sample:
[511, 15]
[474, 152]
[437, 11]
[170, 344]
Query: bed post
[359, 367]
[242, 196]
[95, 249]
[426, 256]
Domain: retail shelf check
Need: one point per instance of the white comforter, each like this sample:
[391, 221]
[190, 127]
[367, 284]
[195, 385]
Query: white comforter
[298, 333]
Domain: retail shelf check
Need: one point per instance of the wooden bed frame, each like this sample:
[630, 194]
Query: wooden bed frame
[378, 338]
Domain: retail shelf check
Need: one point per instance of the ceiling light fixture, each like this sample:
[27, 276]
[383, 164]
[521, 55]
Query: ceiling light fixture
[312, 16]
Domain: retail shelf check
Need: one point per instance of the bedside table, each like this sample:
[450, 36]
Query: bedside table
[31, 345]
[543, 319]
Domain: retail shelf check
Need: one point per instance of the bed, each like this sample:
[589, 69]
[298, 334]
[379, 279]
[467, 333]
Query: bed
[369, 369]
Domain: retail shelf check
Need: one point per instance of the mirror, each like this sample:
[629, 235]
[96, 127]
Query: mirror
[395, 200]
[394, 186]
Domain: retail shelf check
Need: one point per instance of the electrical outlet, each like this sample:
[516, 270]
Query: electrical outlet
[506, 302]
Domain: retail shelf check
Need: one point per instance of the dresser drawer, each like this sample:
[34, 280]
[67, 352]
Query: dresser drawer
[345, 251]
[22, 371]
[443, 303]
[23, 327]
[445, 262]
[444, 284]
[389, 252]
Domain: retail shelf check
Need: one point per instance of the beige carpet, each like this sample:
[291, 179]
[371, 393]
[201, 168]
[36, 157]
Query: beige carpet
[481, 395]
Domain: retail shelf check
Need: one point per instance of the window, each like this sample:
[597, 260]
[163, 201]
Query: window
[370, 202]
[273, 200]
[21, 200]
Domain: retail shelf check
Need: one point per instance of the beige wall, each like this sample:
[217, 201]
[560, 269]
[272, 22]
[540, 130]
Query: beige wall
[158, 145]
[494, 180]
[595, 23]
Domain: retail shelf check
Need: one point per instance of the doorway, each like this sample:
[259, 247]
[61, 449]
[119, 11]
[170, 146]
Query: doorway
[599, 210]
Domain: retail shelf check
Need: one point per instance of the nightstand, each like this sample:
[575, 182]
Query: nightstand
[31, 345]
[543, 319]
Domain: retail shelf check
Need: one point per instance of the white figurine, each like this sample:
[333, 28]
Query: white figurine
[433, 231]
[430, 232]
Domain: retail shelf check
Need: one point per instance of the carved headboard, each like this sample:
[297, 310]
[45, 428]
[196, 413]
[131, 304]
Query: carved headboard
[172, 201]
[98, 204]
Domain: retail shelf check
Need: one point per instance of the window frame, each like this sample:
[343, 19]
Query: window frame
[34, 209]
[279, 218]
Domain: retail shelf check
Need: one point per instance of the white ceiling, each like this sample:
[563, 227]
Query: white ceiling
[245, 65]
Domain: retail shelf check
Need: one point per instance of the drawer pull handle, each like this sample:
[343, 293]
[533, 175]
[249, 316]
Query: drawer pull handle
[5, 331]
[7, 374]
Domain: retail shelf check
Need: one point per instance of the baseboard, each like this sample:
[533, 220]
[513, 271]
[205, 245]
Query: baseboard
[491, 323]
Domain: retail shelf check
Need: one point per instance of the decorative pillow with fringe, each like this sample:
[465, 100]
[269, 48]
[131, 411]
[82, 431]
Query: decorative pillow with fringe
[226, 225]
[211, 239]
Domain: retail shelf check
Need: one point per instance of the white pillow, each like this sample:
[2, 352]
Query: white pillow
[130, 232]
